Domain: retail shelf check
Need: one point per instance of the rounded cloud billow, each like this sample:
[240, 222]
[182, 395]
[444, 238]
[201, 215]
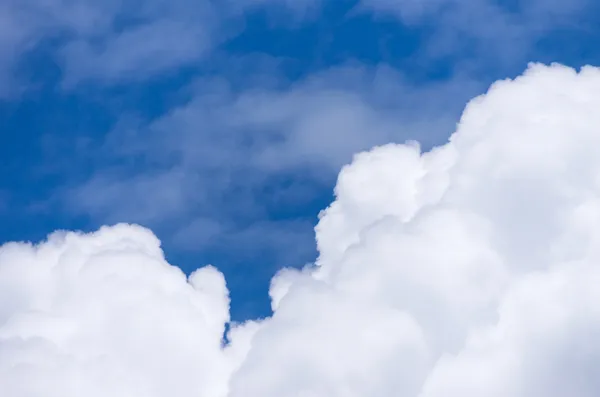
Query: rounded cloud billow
[465, 271]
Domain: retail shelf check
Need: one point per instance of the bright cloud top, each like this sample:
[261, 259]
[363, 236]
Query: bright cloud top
[469, 270]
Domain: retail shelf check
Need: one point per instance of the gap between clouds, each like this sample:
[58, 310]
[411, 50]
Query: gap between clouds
[469, 269]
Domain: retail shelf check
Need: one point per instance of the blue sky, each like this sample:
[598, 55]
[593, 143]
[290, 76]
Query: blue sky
[222, 125]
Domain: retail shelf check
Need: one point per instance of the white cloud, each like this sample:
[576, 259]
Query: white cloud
[467, 270]
[486, 245]
[104, 314]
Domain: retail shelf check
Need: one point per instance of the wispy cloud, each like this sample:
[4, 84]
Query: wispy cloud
[483, 35]
[210, 160]
[119, 41]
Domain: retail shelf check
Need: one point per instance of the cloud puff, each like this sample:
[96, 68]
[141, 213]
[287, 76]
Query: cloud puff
[466, 270]
[104, 314]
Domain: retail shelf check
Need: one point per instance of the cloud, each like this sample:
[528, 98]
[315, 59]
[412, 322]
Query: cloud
[119, 42]
[221, 156]
[465, 270]
[483, 35]
[115, 41]
[105, 314]
[147, 197]
[474, 262]
[415, 10]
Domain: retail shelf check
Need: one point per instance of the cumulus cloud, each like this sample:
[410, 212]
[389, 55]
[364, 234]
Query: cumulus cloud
[481, 251]
[465, 270]
[104, 314]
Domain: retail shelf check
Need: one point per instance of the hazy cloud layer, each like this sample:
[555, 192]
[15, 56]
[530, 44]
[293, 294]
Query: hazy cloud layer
[470, 269]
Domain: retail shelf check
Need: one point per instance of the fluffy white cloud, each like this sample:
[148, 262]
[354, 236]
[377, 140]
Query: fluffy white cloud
[463, 271]
[104, 314]
[467, 270]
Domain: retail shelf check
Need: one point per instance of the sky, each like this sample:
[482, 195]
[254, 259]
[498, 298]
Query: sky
[299, 198]
[221, 125]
